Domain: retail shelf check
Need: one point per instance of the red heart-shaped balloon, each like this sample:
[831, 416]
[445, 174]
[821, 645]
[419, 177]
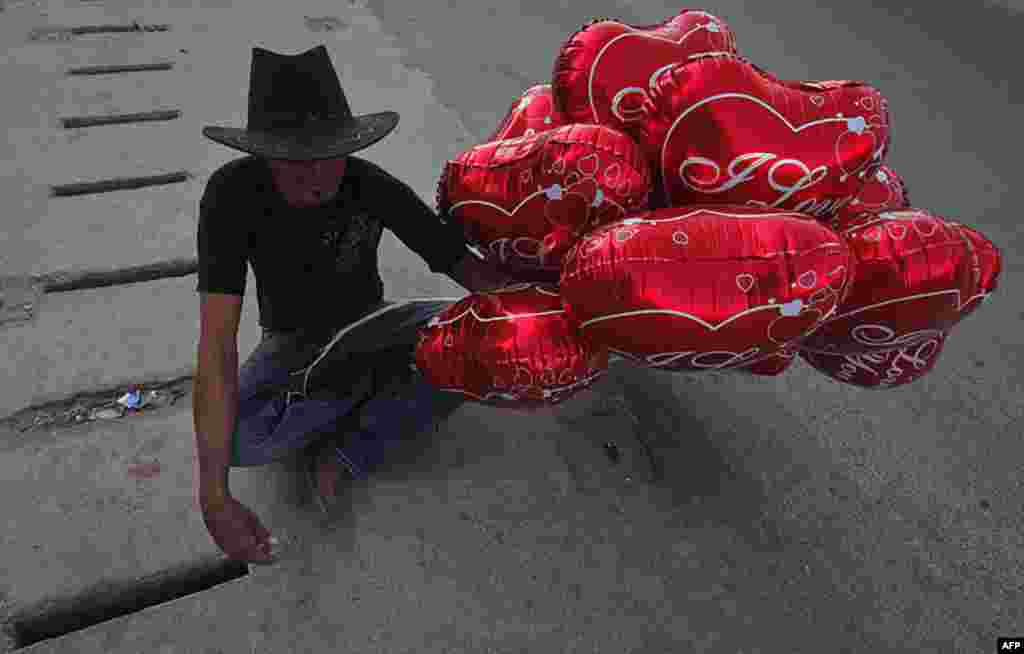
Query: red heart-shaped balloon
[513, 347]
[878, 370]
[774, 365]
[706, 287]
[564, 211]
[720, 130]
[883, 190]
[986, 265]
[917, 275]
[603, 70]
[525, 201]
[533, 112]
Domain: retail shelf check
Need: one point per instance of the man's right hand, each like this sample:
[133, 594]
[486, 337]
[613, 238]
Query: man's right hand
[237, 531]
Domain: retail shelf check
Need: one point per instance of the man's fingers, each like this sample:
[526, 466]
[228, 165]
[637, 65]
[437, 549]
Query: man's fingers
[264, 554]
[268, 546]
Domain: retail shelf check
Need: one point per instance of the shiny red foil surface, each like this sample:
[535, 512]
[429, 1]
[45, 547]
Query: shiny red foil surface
[525, 201]
[773, 365]
[880, 370]
[883, 190]
[514, 348]
[705, 288]
[986, 263]
[603, 71]
[719, 130]
[917, 275]
[534, 111]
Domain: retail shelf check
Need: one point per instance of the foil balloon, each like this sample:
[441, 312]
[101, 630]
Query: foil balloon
[770, 366]
[603, 70]
[883, 190]
[523, 202]
[533, 112]
[773, 365]
[986, 265]
[917, 275]
[880, 370]
[719, 130]
[705, 288]
[513, 348]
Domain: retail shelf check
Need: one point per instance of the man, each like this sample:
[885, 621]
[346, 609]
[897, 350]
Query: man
[307, 216]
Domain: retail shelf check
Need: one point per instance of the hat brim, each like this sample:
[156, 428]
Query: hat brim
[327, 142]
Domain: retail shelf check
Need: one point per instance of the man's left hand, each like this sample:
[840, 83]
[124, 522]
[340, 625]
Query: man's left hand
[476, 275]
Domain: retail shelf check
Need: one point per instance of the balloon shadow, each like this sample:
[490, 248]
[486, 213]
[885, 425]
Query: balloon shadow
[697, 475]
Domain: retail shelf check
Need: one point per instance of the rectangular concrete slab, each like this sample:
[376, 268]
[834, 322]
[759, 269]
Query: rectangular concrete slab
[88, 340]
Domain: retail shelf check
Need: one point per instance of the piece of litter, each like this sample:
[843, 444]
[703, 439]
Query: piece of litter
[149, 399]
[611, 450]
[130, 400]
[106, 414]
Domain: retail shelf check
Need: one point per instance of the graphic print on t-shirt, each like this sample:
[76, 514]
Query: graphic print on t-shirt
[349, 241]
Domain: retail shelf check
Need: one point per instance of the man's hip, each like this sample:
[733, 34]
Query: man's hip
[298, 384]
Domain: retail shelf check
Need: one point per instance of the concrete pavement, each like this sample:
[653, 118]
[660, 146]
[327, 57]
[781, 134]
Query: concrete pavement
[796, 514]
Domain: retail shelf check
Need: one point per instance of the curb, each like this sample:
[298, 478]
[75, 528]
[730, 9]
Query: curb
[21, 295]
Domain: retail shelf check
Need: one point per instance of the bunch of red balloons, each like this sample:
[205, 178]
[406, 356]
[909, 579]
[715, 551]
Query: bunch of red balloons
[668, 201]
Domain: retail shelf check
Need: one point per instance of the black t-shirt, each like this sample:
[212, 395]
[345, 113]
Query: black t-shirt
[314, 267]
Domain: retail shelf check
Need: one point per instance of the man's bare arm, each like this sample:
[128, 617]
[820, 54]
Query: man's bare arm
[215, 412]
[215, 393]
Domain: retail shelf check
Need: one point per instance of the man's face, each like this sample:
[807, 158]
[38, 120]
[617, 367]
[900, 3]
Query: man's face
[308, 183]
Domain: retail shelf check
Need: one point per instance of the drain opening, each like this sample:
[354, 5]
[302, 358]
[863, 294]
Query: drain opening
[118, 184]
[107, 602]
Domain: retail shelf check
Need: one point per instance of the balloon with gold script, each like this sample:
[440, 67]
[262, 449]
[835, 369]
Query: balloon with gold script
[514, 348]
[719, 130]
[774, 365]
[523, 202]
[881, 370]
[706, 287]
[883, 190]
[917, 276]
[603, 70]
[534, 111]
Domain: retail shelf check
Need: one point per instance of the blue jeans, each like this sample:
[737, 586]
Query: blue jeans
[356, 387]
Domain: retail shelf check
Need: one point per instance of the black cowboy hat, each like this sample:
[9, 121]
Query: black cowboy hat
[298, 111]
